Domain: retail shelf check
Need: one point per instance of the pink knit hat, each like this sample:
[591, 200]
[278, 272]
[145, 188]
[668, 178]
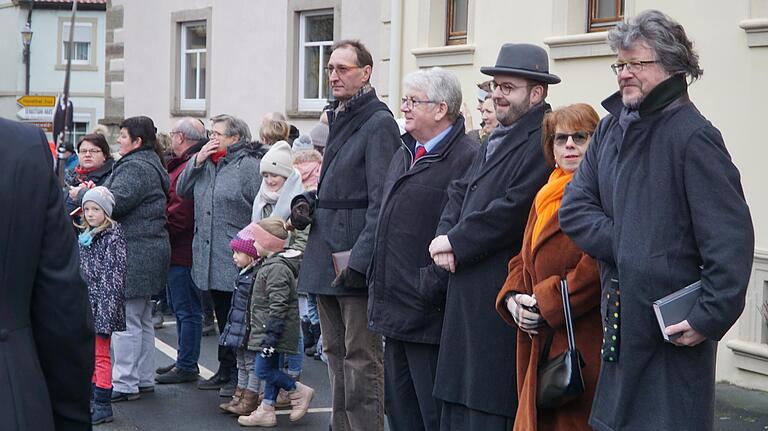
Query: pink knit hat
[243, 242]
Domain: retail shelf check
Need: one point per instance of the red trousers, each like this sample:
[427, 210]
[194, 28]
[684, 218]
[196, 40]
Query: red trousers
[102, 373]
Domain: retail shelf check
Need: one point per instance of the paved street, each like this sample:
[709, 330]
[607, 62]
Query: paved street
[184, 407]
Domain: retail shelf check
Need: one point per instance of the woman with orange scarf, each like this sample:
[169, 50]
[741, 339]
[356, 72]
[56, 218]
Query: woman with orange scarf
[530, 298]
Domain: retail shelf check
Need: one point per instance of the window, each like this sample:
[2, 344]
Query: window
[193, 65]
[80, 130]
[604, 14]
[84, 44]
[315, 40]
[456, 23]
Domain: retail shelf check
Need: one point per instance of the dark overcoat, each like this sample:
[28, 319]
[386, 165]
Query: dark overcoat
[223, 194]
[406, 289]
[484, 219]
[140, 185]
[660, 204]
[361, 141]
[46, 331]
[103, 266]
[537, 270]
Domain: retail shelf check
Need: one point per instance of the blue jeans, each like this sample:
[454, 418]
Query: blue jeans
[268, 369]
[185, 302]
[294, 361]
[312, 314]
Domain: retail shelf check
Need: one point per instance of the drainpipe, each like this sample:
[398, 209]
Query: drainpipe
[395, 54]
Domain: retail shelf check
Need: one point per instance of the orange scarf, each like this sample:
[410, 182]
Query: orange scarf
[548, 199]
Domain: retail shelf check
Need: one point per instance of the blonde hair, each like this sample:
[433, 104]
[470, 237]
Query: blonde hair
[274, 226]
[272, 131]
[106, 224]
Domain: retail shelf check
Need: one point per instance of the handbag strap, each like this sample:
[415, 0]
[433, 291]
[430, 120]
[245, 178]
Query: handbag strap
[568, 323]
[567, 310]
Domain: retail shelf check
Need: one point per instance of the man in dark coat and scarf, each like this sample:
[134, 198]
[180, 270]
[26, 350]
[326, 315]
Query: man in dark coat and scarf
[658, 201]
[362, 138]
[480, 230]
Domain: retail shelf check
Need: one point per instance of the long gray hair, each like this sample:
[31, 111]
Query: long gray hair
[665, 36]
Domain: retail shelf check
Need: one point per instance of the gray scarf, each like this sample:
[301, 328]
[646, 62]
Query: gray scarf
[279, 200]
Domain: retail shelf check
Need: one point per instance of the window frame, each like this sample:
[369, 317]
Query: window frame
[77, 65]
[197, 104]
[596, 24]
[318, 104]
[455, 37]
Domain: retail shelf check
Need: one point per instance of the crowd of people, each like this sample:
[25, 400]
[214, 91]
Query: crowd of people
[440, 267]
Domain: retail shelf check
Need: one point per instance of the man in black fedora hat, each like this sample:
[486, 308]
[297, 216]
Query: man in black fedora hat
[480, 230]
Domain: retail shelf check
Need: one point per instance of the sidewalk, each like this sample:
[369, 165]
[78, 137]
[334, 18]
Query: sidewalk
[739, 409]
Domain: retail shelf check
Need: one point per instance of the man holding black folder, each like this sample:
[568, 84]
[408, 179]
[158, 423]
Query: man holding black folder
[659, 203]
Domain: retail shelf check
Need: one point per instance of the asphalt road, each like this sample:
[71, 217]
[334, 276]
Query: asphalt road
[184, 407]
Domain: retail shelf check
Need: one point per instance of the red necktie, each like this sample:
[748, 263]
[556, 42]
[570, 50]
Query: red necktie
[419, 152]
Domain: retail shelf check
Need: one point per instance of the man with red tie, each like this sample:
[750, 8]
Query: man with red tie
[406, 289]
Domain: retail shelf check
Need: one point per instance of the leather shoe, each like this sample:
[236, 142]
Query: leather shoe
[165, 369]
[118, 396]
[177, 375]
[215, 382]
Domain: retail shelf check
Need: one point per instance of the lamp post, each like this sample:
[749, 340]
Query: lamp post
[26, 39]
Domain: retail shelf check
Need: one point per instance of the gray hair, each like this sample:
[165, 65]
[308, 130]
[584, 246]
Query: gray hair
[440, 86]
[233, 126]
[665, 36]
[192, 133]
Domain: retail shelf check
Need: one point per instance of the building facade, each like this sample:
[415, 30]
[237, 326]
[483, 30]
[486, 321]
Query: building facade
[49, 22]
[248, 57]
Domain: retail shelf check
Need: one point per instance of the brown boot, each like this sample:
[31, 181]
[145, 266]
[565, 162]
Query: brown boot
[264, 416]
[300, 399]
[247, 404]
[234, 401]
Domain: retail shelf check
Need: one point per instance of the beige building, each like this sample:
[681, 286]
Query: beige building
[732, 41]
[247, 57]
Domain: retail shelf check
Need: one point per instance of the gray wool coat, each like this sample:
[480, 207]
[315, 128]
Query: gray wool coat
[223, 195]
[140, 184]
[361, 143]
[659, 203]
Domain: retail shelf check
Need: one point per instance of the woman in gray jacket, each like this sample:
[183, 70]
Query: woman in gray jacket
[140, 185]
[223, 179]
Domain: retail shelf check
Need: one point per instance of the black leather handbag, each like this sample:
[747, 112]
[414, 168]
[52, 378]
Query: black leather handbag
[560, 379]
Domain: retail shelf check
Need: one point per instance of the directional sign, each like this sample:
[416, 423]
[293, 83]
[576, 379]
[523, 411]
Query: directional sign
[46, 101]
[37, 113]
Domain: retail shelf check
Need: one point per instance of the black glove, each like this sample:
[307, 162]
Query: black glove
[349, 278]
[303, 209]
[274, 331]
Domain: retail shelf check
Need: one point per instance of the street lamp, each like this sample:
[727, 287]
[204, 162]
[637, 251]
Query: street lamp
[26, 39]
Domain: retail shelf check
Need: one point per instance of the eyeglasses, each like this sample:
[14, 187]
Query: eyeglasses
[340, 70]
[579, 138]
[631, 66]
[215, 134]
[411, 103]
[93, 151]
[507, 88]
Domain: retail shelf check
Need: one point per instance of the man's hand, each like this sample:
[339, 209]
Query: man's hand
[441, 244]
[689, 335]
[209, 148]
[350, 279]
[447, 261]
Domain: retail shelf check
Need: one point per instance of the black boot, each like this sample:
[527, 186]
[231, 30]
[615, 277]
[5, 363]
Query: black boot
[309, 337]
[102, 406]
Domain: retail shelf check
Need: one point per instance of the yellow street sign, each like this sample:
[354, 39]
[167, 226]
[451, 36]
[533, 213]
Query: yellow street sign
[46, 101]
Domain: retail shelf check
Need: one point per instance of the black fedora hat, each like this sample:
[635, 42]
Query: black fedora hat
[522, 59]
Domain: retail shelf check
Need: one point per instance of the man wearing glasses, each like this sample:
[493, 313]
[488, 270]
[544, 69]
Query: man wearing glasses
[361, 140]
[658, 201]
[480, 230]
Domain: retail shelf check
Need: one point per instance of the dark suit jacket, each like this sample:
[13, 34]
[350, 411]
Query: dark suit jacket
[46, 329]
